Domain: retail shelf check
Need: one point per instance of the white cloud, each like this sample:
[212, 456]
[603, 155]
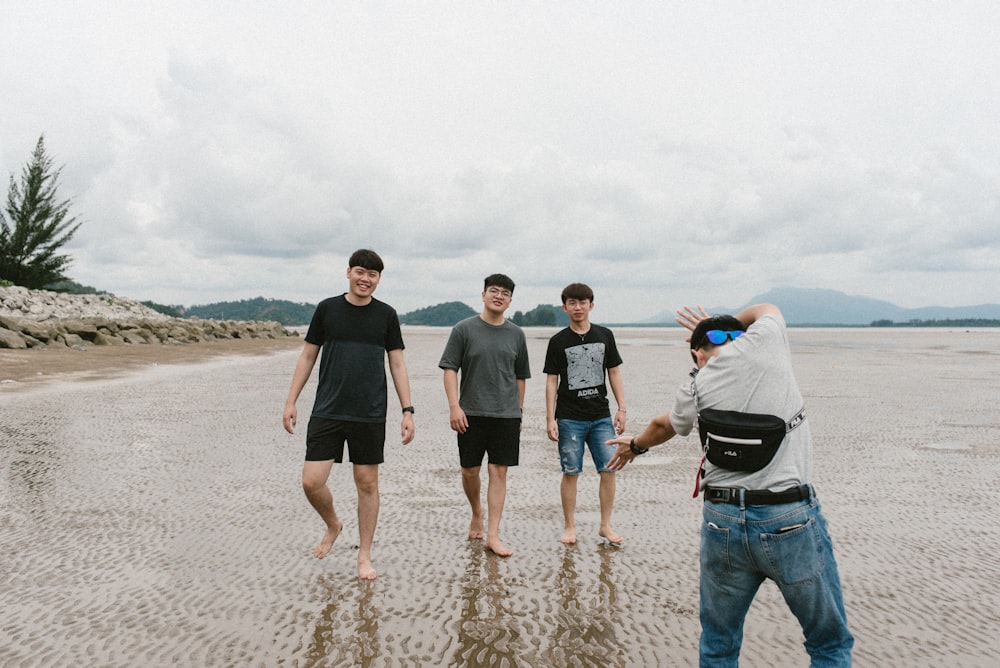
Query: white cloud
[663, 152]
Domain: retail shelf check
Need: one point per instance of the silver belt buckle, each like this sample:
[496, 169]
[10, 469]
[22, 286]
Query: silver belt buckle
[724, 495]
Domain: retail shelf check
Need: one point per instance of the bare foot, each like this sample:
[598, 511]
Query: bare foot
[498, 548]
[476, 528]
[326, 543]
[613, 539]
[568, 537]
[365, 569]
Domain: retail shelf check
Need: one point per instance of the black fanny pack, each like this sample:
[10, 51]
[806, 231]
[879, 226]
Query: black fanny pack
[742, 441]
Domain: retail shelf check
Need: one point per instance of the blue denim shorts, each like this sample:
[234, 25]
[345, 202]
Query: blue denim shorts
[595, 433]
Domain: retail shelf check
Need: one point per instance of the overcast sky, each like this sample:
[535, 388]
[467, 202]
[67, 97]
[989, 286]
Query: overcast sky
[663, 152]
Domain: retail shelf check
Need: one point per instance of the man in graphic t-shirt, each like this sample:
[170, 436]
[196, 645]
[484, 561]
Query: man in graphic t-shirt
[577, 361]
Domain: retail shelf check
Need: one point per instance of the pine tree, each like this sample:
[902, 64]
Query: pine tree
[36, 226]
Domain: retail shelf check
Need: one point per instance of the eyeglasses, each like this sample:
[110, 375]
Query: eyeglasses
[497, 291]
[717, 336]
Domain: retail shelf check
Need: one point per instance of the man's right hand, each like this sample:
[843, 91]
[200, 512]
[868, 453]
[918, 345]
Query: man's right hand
[458, 420]
[689, 318]
[289, 418]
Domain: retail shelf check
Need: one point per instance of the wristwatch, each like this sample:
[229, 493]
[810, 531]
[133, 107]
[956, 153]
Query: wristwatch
[408, 409]
[636, 450]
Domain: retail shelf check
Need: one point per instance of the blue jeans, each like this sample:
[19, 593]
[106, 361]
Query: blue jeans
[595, 433]
[741, 546]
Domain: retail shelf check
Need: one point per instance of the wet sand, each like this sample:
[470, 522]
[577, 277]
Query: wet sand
[151, 514]
[24, 369]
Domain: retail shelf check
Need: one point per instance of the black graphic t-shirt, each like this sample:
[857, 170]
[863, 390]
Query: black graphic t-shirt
[581, 363]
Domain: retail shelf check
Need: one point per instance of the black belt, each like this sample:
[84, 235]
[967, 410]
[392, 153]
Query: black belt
[757, 498]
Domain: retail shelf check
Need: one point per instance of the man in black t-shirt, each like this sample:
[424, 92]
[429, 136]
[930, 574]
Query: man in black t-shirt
[576, 405]
[354, 331]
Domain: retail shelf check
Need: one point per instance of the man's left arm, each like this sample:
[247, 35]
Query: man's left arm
[401, 381]
[618, 389]
[522, 370]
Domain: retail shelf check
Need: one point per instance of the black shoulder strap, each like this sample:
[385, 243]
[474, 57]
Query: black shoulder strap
[796, 421]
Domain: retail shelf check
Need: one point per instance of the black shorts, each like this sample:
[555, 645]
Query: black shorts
[500, 438]
[325, 441]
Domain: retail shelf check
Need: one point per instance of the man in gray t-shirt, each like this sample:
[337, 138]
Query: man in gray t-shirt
[491, 354]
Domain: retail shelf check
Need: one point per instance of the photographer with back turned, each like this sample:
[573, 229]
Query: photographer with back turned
[761, 517]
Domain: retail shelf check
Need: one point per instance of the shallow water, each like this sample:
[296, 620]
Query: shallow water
[157, 519]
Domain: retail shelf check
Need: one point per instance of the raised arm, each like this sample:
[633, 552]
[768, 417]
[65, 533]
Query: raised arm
[752, 314]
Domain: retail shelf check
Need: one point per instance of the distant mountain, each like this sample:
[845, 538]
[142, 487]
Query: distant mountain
[543, 315]
[813, 306]
[449, 313]
[441, 315]
[289, 314]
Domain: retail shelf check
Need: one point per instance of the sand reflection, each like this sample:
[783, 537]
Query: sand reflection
[353, 607]
[586, 622]
[488, 633]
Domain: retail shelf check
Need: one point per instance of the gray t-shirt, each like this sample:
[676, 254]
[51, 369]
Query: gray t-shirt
[490, 360]
[752, 374]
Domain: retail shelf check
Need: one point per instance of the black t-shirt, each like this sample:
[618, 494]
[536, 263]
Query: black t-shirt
[581, 363]
[352, 382]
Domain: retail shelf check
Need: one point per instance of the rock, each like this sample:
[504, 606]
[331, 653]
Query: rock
[28, 328]
[37, 318]
[85, 330]
[37, 331]
[72, 340]
[41, 305]
[138, 335]
[105, 339]
[9, 339]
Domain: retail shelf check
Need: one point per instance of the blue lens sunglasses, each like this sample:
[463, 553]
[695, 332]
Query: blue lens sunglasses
[717, 336]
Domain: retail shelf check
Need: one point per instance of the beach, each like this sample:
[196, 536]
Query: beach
[151, 513]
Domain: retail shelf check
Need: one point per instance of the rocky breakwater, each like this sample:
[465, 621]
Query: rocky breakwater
[40, 318]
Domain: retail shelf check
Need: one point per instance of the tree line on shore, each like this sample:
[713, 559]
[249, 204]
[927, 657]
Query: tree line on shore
[294, 314]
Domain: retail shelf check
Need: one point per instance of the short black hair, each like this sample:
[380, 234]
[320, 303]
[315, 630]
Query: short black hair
[499, 280]
[725, 323]
[579, 291]
[366, 259]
